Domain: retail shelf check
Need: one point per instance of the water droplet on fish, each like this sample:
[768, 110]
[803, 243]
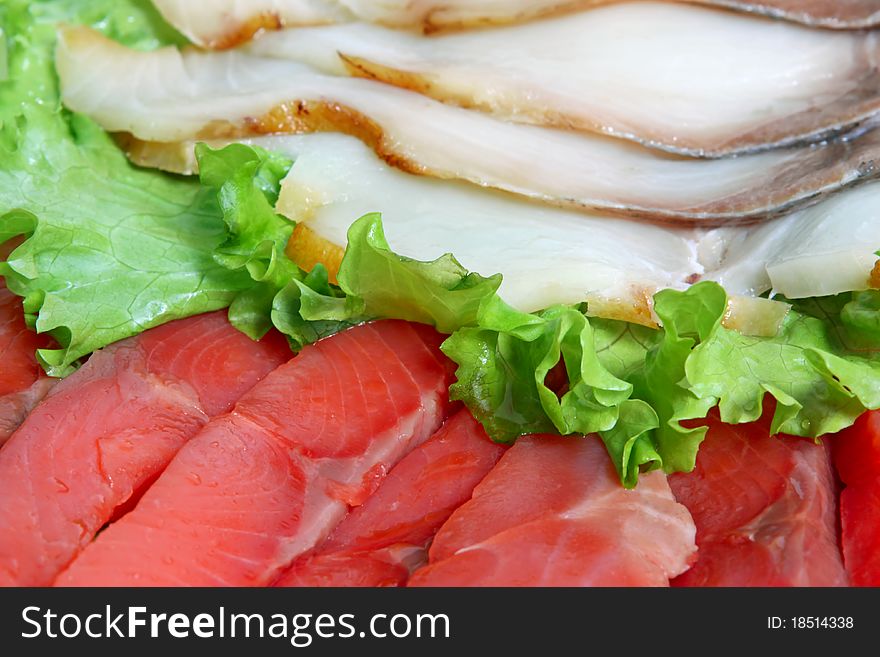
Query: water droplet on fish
[62, 487]
[194, 478]
[215, 443]
[168, 560]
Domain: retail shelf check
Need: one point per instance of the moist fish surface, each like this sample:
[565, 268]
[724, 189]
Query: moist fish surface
[765, 510]
[380, 541]
[109, 429]
[857, 455]
[269, 481]
[22, 383]
[553, 513]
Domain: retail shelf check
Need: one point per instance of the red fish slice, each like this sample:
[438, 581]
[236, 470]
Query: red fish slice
[553, 513]
[108, 429]
[22, 383]
[857, 455]
[269, 481]
[764, 509]
[380, 541]
[378, 568]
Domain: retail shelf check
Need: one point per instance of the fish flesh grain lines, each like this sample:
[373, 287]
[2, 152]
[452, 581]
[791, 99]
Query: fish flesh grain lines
[226, 23]
[765, 510]
[668, 76]
[266, 483]
[169, 96]
[22, 383]
[104, 433]
[381, 541]
[586, 530]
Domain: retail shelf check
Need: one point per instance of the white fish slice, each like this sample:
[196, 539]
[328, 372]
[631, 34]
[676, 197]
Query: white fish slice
[169, 96]
[668, 76]
[225, 23]
[825, 249]
[547, 255]
[551, 255]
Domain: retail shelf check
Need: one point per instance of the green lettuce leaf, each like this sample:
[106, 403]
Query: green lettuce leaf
[635, 386]
[622, 381]
[560, 372]
[441, 293]
[630, 442]
[308, 309]
[111, 250]
[822, 368]
[247, 182]
[504, 363]
[688, 318]
[375, 282]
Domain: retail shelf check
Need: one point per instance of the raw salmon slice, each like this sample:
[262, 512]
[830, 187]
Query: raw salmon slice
[857, 455]
[18, 345]
[379, 542]
[553, 513]
[269, 481]
[764, 509]
[377, 568]
[22, 383]
[16, 406]
[108, 429]
[857, 450]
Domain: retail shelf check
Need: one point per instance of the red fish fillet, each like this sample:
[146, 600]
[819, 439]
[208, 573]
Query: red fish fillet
[764, 509]
[105, 432]
[553, 513]
[269, 481]
[857, 454]
[22, 383]
[378, 568]
[379, 542]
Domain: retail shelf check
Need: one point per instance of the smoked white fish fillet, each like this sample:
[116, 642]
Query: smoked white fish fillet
[550, 255]
[169, 96]
[822, 250]
[225, 23]
[547, 255]
[668, 76]
[834, 14]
